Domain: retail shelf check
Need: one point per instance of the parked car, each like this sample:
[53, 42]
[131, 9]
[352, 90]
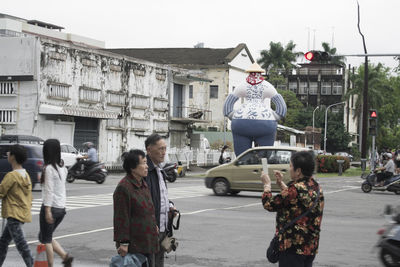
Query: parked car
[33, 164]
[20, 138]
[69, 154]
[243, 173]
[345, 154]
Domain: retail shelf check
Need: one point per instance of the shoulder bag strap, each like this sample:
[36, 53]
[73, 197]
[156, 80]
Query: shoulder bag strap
[302, 215]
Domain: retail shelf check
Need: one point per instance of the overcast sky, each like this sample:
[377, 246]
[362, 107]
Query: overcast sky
[224, 23]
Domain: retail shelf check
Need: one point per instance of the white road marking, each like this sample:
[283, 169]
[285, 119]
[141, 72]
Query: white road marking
[175, 191]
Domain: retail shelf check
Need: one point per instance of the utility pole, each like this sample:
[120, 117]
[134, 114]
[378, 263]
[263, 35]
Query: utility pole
[365, 101]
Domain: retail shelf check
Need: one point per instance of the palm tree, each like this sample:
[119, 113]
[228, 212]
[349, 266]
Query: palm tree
[340, 60]
[377, 84]
[278, 58]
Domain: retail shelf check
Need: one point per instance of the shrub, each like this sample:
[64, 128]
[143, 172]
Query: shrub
[327, 163]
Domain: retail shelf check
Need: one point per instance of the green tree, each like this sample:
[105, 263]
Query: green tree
[378, 82]
[340, 60]
[278, 59]
[338, 138]
[294, 108]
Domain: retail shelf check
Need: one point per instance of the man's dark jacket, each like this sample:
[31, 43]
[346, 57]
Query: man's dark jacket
[154, 187]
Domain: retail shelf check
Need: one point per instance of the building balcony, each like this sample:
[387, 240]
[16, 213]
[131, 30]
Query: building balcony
[191, 115]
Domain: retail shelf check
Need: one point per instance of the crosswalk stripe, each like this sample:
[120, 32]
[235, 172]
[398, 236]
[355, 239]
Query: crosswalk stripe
[98, 200]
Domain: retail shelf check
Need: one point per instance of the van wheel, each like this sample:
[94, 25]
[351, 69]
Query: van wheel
[397, 192]
[221, 187]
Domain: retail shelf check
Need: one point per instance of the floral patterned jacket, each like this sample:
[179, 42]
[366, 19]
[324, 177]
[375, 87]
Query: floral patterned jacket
[303, 237]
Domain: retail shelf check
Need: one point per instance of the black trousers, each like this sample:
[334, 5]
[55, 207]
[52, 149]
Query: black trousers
[383, 176]
[291, 259]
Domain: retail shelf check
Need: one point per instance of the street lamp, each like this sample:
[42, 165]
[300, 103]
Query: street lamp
[313, 113]
[326, 121]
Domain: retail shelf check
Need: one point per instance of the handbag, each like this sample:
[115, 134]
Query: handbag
[273, 249]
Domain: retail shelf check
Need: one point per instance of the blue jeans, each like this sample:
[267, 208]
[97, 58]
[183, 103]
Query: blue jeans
[13, 231]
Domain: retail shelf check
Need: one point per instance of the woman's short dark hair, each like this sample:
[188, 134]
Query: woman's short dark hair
[152, 139]
[19, 152]
[131, 159]
[305, 161]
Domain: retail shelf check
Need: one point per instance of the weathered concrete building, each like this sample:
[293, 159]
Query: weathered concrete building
[221, 69]
[59, 85]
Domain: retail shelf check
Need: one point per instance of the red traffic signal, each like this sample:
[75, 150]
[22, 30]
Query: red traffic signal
[317, 56]
[309, 55]
[373, 113]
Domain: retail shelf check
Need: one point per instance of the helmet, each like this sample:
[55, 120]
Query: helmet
[389, 155]
[88, 145]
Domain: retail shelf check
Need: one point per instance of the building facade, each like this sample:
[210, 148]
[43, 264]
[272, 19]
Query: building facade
[221, 70]
[57, 85]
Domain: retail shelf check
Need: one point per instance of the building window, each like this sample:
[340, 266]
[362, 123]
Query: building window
[313, 88]
[8, 88]
[89, 95]
[303, 88]
[213, 91]
[59, 91]
[325, 88]
[140, 101]
[140, 124]
[293, 87]
[337, 88]
[115, 123]
[190, 91]
[115, 99]
[160, 104]
[160, 126]
[7, 116]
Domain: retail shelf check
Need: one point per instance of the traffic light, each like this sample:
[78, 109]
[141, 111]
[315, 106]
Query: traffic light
[317, 56]
[373, 122]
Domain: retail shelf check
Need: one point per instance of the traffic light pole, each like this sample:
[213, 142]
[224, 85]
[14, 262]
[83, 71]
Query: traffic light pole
[373, 154]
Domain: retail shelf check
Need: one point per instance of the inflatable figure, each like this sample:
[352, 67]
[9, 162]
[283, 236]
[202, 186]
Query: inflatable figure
[254, 120]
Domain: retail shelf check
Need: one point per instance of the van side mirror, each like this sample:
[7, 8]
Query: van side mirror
[238, 162]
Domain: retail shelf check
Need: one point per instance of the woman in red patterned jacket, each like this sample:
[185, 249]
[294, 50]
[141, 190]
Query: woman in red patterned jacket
[298, 245]
[135, 228]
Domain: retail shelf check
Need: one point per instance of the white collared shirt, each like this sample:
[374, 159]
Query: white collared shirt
[164, 204]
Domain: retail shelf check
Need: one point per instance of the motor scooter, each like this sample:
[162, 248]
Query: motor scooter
[170, 170]
[389, 242]
[391, 184]
[95, 172]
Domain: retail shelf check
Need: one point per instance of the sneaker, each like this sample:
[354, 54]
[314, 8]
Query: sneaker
[68, 261]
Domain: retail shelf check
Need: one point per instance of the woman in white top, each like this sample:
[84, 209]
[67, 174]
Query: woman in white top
[52, 211]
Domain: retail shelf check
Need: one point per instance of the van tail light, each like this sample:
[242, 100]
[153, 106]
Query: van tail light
[39, 163]
[175, 165]
[381, 231]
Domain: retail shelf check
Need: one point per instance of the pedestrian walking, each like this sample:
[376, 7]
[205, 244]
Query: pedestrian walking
[135, 228]
[298, 244]
[156, 149]
[53, 211]
[16, 195]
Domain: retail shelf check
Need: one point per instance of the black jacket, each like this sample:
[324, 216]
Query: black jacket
[154, 187]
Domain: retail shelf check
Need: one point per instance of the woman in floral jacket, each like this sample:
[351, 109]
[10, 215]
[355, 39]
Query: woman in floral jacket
[298, 244]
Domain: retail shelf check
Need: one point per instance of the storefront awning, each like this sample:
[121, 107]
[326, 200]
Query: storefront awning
[77, 111]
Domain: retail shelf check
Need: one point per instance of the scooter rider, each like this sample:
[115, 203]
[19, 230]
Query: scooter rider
[91, 157]
[388, 169]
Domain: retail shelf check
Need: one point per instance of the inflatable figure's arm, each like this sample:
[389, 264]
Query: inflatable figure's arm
[280, 105]
[270, 92]
[231, 100]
